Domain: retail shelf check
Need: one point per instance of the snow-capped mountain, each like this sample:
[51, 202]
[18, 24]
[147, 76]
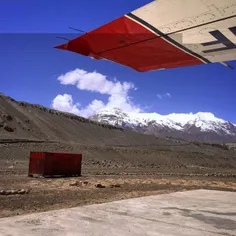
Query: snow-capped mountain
[202, 126]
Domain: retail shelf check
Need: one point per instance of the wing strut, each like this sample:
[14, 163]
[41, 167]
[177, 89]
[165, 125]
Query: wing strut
[81, 31]
[227, 65]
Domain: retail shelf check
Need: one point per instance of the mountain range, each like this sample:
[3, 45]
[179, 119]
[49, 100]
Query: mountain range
[20, 120]
[202, 126]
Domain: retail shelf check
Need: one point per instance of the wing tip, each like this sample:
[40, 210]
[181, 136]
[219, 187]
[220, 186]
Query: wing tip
[62, 46]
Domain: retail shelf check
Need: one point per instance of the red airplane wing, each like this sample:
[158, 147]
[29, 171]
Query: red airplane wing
[164, 34]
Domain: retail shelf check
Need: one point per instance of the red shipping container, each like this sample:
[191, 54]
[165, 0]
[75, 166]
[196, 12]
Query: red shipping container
[48, 164]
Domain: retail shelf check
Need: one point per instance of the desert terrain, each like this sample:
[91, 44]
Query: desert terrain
[117, 163]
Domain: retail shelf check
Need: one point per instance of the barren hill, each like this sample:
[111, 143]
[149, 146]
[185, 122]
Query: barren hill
[21, 120]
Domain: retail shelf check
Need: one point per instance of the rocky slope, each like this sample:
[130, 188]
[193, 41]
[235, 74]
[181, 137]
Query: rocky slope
[21, 120]
[199, 127]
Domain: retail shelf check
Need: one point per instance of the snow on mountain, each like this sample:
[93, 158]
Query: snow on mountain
[202, 126]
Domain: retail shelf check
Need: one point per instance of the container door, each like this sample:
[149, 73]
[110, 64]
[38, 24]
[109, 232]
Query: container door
[36, 166]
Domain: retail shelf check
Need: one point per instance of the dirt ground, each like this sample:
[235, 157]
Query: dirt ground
[133, 171]
[55, 193]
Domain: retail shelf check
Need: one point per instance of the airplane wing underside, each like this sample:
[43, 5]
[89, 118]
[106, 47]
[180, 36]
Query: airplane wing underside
[165, 34]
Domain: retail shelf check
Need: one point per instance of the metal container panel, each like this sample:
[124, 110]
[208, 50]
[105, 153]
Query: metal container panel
[66, 164]
[55, 164]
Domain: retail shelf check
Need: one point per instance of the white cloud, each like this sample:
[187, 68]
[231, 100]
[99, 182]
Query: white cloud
[65, 103]
[168, 95]
[92, 108]
[95, 82]
[161, 96]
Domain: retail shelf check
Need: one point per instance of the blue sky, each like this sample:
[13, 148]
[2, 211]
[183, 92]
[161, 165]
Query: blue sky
[30, 65]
